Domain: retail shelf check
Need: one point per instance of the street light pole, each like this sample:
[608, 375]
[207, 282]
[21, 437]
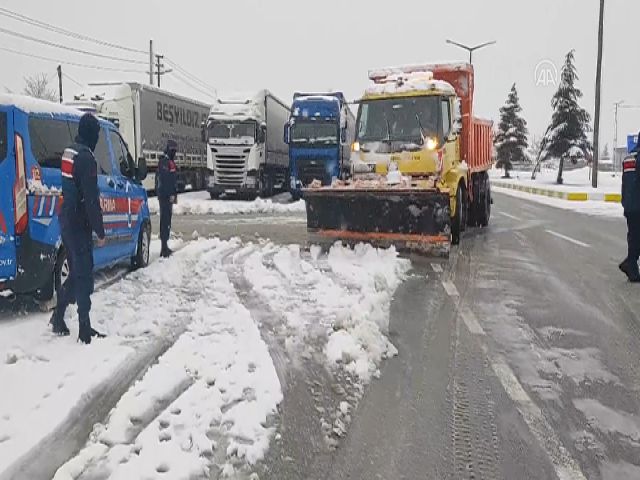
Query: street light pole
[471, 49]
[596, 123]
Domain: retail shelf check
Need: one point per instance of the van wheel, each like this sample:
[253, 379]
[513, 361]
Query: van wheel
[141, 258]
[47, 297]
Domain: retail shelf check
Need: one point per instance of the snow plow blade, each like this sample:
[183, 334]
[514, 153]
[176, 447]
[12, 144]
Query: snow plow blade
[411, 220]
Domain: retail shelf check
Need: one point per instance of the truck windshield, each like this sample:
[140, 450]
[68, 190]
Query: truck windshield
[3, 136]
[314, 132]
[398, 119]
[232, 130]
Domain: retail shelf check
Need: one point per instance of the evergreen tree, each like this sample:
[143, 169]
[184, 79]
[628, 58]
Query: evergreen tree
[605, 152]
[511, 139]
[566, 137]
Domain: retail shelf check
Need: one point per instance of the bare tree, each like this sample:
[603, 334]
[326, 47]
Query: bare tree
[38, 86]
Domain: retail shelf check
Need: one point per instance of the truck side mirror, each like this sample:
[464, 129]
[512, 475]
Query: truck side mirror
[141, 170]
[343, 134]
[262, 134]
[203, 132]
[287, 126]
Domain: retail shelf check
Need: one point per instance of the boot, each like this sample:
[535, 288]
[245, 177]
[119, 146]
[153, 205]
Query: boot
[84, 333]
[628, 269]
[58, 325]
[166, 252]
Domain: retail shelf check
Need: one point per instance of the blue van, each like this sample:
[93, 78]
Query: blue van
[33, 136]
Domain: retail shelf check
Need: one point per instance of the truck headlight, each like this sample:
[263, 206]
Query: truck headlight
[251, 181]
[355, 147]
[431, 143]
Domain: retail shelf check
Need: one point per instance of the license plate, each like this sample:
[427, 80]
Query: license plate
[230, 191]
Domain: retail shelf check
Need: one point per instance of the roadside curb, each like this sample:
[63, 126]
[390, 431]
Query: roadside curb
[563, 195]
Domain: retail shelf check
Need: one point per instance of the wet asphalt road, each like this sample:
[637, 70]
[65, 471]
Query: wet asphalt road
[518, 359]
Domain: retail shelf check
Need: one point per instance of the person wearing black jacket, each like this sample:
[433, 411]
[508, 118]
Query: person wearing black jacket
[167, 193]
[631, 205]
[80, 218]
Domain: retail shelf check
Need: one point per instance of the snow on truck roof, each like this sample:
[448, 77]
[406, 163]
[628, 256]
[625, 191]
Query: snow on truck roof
[400, 82]
[37, 106]
[381, 73]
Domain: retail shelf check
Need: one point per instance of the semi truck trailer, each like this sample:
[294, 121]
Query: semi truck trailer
[419, 164]
[146, 118]
[246, 154]
[320, 132]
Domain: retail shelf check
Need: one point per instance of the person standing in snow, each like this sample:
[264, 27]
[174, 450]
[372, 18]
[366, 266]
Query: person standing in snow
[167, 193]
[631, 205]
[80, 218]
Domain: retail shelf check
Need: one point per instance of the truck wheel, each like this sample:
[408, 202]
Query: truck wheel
[141, 257]
[459, 219]
[485, 204]
[214, 195]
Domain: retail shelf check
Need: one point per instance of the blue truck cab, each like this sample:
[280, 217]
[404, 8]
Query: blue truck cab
[320, 132]
[33, 136]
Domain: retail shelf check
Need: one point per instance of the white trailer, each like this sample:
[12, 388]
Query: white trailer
[246, 152]
[147, 117]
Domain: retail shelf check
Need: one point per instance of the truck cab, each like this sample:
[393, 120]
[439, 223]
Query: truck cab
[246, 155]
[320, 131]
[33, 136]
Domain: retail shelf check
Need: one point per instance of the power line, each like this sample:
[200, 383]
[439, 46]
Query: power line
[180, 77]
[72, 49]
[188, 75]
[52, 28]
[73, 64]
[68, 77]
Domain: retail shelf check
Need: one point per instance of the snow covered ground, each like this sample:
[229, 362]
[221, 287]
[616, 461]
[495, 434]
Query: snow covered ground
[589, 207]
[210, 398]
[574, 180]
[199, 203]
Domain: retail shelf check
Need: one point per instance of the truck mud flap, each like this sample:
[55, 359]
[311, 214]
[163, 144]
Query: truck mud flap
[410, 220]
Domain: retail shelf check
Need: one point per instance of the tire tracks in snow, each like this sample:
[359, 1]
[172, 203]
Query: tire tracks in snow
[69, 437]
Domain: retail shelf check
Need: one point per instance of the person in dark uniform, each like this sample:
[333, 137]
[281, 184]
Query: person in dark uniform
[80, 218]
[167, 193]
[631, 205]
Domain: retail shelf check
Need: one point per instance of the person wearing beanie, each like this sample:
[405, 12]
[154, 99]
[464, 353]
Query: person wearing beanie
[80, 217]
[631, 205]
[167, 193]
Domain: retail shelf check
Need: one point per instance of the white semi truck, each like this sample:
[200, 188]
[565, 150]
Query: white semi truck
[147, 117]
[246, 152]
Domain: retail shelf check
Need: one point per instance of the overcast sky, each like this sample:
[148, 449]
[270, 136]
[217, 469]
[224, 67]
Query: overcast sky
[289, 45]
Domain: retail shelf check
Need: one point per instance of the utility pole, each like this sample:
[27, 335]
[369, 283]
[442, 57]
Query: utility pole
[150, 62]
[596, 123]
[471, 49]
[60, 81]
[160, 68]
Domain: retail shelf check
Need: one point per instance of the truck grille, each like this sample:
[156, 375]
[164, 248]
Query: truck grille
[230, 165]
[310, 170]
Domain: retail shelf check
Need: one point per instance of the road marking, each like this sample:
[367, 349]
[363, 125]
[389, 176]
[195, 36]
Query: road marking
[437, 267]
[565, 466]
[512, 217]
[450, 288]
[568, 239]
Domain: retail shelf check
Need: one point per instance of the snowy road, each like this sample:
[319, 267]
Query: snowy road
[516, 359]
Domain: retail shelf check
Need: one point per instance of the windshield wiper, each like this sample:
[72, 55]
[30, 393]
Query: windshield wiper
[388, 139]
[422, 135]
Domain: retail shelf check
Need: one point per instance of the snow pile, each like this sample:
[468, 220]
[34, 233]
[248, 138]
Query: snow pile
[577, 180]
[207, 400]
[37, 106]
[338, 302]
[39, 188]
[200, 204]
[240, 107]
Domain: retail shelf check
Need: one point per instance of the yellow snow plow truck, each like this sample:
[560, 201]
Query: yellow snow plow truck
[418, 166]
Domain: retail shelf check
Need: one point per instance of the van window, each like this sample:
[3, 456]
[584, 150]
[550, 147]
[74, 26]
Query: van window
[103, 157]
[101, 153]
[49, 139]
[3, 136]
[119, 152]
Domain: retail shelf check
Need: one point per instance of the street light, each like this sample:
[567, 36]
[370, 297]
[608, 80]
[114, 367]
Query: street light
[471, 49]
